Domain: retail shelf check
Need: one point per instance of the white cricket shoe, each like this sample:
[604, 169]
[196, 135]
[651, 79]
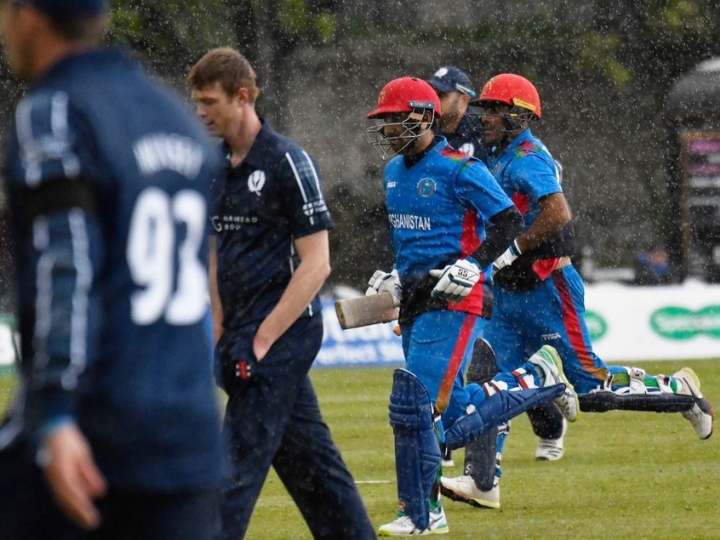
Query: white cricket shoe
[464, 489]
[552, 449]
[701, 414]
[548, 362]
[403, 526]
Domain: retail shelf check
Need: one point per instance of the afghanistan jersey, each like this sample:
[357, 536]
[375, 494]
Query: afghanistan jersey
[438, 209]
[527, 172]
[108, 178]
[272, 197]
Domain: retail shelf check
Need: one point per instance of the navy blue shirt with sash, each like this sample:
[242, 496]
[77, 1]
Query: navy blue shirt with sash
[109, 180]
[272, 197]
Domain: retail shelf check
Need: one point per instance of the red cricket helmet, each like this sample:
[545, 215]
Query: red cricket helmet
[405, 95]
[512, 90]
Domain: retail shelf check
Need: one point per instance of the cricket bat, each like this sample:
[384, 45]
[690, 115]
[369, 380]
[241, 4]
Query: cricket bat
[366, 310]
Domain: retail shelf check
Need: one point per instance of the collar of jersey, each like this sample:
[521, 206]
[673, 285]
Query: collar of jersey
[439, 142]
[258, 154]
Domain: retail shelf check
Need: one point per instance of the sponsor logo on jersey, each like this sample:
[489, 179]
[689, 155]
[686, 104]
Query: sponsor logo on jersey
[408, 221]
[317, 206]
[426, 187]
[256, 181]
[231, 223]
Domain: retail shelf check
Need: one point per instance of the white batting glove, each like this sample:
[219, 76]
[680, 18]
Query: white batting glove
[384, 281]
[507, 258]
[456, 280]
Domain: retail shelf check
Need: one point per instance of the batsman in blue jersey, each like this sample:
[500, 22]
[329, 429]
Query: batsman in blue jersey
[113, 429]
[269, 259]
[450, 220]
[539, 296]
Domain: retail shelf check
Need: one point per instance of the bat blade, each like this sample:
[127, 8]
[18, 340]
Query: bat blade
[366, 310]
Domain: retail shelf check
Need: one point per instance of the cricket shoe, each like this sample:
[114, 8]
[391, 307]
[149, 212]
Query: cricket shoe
[552, 449]
[548, 363]
[403, 526]
[701, 414]
[464, 489]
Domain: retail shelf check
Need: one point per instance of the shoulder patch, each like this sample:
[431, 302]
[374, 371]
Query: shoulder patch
[452, 153]
[526, 148]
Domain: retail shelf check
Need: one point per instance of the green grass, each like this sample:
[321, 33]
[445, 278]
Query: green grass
[624, 475]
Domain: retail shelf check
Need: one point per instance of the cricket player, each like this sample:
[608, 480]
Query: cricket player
[269, 259]
[463, 131]
[450, 220]
[539, 295]
[113, 431]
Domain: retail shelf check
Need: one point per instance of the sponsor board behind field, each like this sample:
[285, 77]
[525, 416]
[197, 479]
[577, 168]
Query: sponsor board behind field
[626, 323]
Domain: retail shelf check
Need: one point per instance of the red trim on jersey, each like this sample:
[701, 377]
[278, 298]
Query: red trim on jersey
[571, 321]
[456, 359]
[469, 239]
[522, 201]
[544, 267]
[469, 243]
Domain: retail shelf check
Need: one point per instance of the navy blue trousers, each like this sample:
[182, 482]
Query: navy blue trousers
[28, 511]
[273, 419]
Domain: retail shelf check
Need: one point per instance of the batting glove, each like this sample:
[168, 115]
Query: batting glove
[384, 281]
[456, 280]
[507, 258]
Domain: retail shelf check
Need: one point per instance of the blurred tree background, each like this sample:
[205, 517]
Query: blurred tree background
[603, 69]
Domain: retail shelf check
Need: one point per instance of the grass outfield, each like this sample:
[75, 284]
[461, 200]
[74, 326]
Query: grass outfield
[624, 475]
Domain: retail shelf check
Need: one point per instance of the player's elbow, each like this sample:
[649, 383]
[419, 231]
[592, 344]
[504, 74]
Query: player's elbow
[325, 270]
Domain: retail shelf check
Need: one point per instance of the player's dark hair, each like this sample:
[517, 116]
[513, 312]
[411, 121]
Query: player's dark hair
[227, 67]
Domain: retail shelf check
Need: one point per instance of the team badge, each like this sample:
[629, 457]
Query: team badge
[256, 181]
[426, 187]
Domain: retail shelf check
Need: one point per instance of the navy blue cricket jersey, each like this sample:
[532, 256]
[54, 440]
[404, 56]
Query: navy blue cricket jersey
[265, 202]
[109, 179]
[468, 137]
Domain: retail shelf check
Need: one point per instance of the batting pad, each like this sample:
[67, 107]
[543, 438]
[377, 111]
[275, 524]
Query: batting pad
[417, 450]
[495, 410]
[660, 402]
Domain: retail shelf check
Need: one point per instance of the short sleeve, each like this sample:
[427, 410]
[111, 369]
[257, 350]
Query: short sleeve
[478, 188]
[534, 175]
[303, 199]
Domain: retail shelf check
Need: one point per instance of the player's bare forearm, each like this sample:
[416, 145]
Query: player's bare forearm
[215, 303]
[554, 215]
[306, 282]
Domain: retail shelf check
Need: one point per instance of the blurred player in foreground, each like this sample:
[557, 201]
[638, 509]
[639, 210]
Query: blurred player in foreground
[269, 259]
[539, 296]
[114, 424]
[450, 220]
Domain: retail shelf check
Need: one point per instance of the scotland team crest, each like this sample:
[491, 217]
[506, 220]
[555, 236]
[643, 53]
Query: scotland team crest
[426, 187]
[256, 181]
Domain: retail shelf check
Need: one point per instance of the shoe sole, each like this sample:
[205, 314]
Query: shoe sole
[561, 373]
[706, 408]
[427, 532]
[693, 383]
[553, 458]
[450, 494]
